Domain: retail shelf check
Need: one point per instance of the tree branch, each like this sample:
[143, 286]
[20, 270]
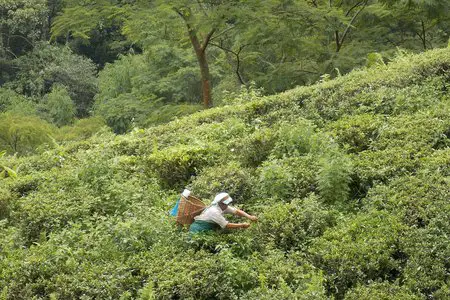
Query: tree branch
[353, 7]
[341, 41]
[208, 39]
[238, 60]
[222, 32]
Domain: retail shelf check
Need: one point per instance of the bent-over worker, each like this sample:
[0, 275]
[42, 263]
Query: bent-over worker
[212, 217]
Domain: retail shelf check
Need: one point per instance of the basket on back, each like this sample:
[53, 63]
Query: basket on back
[188, 209]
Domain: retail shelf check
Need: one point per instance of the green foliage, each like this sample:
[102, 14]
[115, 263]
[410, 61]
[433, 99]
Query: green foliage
[296, 140]
[230, 177]
[256, 147]
[420, 201]
[57, 107]
[294, 225]
[334, 177]
[359, 249]
[6, 171]
[23, 134]
[356, 133]
[137, 88]
[11, 101]
[82, 129]
[5, 199]
[24, 22]
[174, 166]
[374, 59]
[166, 113]
[49, 65]
[382, 291]
[123, 112]
[349, 179]
[288, 178]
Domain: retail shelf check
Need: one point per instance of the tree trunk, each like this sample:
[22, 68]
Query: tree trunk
[200, 52]
[204, 71]
[424, 41]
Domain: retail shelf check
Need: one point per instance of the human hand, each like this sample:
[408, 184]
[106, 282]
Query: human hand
[253, 218]
[245, 225]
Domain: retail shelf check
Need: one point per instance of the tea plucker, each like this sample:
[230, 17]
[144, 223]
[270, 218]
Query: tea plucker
[212, 217]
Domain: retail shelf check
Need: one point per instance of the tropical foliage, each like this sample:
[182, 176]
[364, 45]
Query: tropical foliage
[349, 178]
[329, 120]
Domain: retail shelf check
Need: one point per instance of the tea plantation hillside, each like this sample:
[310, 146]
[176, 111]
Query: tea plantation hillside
[350, 179]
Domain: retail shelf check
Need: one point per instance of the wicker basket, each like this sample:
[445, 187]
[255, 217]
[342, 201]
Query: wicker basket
[189, 208]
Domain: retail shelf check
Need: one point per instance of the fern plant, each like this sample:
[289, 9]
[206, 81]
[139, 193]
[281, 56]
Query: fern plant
[334, 177]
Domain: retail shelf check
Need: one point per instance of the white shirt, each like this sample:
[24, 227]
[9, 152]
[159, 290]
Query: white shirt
[214, 214]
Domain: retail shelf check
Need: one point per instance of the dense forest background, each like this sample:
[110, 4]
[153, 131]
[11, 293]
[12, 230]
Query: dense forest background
[136, 63]
[329, 120]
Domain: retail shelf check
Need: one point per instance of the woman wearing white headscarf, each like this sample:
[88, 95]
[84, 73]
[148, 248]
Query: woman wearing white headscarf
[212, 217]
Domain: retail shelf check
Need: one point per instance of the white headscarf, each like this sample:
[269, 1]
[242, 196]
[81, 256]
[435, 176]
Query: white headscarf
[220, 197]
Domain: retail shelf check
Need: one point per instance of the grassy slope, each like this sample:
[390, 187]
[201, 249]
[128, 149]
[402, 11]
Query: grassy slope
[349, 177]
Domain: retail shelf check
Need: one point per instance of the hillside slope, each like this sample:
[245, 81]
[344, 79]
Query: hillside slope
[350, 179]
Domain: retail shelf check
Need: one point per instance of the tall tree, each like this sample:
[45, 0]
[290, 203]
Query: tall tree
[419, 24]
[145, 21]
[204, 21]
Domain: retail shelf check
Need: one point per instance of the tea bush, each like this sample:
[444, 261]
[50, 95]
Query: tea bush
[230, 177]
[296, 139]
[348, 177]
[5, 199]
[414, 199]
[357, 132]
[382, 291]
[255, 148]
[426, 270]
[176, 165]
[359, 249]
[294, 225]
[288, 178]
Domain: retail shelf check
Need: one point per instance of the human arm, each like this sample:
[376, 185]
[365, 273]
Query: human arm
[242, 213]
[237, 225]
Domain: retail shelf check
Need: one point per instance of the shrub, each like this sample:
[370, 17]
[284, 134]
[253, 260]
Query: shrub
[414, 199]
[381, 291]
[221, 133]
[279, 278]
[13, 102]
[5, 199]
[71, 265]
[23, 134]
[417, 130]
[255, 148]
[356, 133]
[295, 140]
[427, 251]
[288, 178]
[374, 59]
[359, 249]
[230, 177]
[81, 130]
[53, 207]
[372, 167]
[293, 225]
[227, 277]
[166, 113]
[174, 166]
[57, 106]
[333, 178]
